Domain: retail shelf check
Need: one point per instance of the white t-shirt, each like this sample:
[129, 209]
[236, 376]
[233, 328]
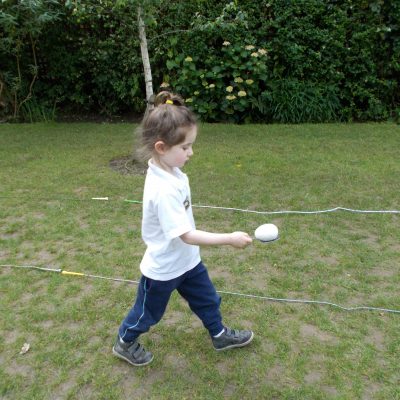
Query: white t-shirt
[167, 214]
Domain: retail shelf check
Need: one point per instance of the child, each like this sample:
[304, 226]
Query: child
[172, 258]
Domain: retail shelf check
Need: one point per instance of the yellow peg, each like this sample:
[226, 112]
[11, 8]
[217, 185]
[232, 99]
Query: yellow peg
[72, 273]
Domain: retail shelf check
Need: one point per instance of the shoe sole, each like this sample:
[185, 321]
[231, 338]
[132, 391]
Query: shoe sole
[130, 361]
[232, 346]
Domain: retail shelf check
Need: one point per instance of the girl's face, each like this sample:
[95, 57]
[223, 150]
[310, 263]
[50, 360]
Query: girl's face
[178, 155]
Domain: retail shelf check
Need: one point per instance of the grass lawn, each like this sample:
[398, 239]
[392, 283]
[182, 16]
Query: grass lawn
[50, 172]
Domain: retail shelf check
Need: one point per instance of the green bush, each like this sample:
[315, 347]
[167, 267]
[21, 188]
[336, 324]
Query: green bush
[22, 24]
[222, 86]
[293, 101]
[370, 89]
[92, 62]
[326, 59]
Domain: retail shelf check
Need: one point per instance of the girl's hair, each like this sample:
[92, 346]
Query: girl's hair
[169, 122]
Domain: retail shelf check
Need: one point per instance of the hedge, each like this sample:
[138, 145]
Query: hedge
[286, 61]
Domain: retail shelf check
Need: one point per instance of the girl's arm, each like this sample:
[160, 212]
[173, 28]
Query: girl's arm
[202, 238]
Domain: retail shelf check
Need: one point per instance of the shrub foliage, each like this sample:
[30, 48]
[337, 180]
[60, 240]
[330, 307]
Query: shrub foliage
[240, 61]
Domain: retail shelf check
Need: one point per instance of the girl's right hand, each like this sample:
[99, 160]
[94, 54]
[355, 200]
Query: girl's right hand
[240, 240]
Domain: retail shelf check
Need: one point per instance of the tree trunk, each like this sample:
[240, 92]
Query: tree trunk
[146, 61]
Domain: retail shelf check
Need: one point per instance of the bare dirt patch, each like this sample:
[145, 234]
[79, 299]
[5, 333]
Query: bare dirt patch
[9, 236]
[313, 377]
[229, 390]
[329, 391]
[126, 165]
[277, 375]
[310, 331]
[10, 337]
[173, 317]
[4, 254]
[64, 388]
[383, 271]
[328, 260]
[18, 366]
[376, 338]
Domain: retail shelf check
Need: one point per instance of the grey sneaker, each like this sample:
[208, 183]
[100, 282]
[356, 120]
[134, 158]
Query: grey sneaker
[232, 338]
[134, 353]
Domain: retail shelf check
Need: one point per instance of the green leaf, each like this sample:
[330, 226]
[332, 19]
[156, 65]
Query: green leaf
[171, 64]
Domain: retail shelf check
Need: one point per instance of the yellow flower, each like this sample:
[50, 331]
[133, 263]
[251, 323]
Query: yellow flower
[229, 89]
[238, 79]
[262, 51]
[189, 100]
[249, 47]
[242, 93]
[231, 97]
[226, 43]
[189, 59]
[249, 81]
[254, 54]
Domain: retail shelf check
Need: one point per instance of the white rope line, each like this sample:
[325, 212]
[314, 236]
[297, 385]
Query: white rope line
[64, 272]
[111, 279]
[302, 212]
[329, 210]
[327, 303]
[253, 296]
[283, 211]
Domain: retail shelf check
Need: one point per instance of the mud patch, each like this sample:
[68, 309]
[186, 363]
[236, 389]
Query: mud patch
[173, 318]
[370, 391]
[229, 390]
[46, 325]
[4, 254]
[376, 338]
[126, 165]
[329, 391]
[313, 377]
[277, 374]
[10, 337]
[18, 367]
[312, 332]
[62, 391]
[328, 260]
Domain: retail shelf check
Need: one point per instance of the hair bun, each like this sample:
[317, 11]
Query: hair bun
[166, 97]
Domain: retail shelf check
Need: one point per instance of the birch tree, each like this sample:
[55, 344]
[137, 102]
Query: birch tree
[145, 58]
[145, 9]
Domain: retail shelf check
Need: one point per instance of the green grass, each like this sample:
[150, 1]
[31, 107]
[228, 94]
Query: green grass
[49, 173]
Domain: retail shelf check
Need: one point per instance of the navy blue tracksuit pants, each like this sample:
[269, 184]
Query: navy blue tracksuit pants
[152, 298]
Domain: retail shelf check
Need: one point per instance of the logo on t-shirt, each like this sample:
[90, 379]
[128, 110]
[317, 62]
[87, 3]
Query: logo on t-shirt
[186, 203]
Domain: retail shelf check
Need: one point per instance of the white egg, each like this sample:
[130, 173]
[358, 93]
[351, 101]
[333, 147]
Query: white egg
[266, 233]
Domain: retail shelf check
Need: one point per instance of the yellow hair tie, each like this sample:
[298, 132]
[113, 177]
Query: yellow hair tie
[169, 102]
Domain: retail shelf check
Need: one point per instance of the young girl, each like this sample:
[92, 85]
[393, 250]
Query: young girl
[172, 258]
